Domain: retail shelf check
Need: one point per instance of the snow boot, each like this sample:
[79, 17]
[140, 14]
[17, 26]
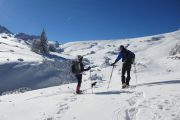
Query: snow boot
[78, 89]
[79, 92]
[127, 85]
[123, 85]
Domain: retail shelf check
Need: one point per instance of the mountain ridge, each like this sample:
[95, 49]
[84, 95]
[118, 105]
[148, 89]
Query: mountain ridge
[20, 35]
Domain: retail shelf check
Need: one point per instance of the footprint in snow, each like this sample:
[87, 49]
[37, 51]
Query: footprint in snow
[131, 113]
[153, 98]
[72, 99]
[62, 108]
[65, 99]
[134, 106]
[160, 107]
[132, 101]
[166, 101]
[50, 118]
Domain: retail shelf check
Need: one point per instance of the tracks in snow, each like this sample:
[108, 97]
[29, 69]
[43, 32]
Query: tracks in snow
[61, 108]
[130, 109]
[152, 107]
[131, 112]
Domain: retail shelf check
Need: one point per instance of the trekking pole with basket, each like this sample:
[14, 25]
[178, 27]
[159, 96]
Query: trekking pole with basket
[91, 82]
[135, 71]
[111, 76]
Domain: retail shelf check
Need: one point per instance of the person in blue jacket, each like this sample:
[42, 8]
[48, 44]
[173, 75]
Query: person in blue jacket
[128, 58]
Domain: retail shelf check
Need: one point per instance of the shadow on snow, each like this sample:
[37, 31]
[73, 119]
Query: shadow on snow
[160, 83]
[114, 92]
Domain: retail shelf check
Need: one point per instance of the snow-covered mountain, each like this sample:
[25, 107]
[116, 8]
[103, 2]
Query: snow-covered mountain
[25, 36]
[155, 97]
[4, 30]
[22, 36]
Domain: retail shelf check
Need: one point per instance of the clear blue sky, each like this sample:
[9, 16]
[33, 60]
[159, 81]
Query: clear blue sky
[70, 20]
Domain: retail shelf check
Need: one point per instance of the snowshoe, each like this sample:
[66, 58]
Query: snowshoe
[131, 86]
[123, 86]
[79, 92]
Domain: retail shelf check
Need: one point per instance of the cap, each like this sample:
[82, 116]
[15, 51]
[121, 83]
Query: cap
[79, 57]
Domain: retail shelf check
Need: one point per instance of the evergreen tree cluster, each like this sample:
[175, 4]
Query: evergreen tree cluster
[41, 46]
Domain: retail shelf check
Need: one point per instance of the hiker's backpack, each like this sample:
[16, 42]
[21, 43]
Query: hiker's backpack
[129, 57]
[76, 67]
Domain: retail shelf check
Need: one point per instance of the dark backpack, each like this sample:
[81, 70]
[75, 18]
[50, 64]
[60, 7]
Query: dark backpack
[129, 57]
[76, 67]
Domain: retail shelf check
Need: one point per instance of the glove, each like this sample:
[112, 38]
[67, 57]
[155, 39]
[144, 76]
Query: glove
[89, 68]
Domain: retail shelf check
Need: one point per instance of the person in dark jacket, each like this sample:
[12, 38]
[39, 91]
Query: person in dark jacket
[128, 58]
[79, 75]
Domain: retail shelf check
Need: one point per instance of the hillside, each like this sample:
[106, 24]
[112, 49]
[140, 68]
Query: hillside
[155, 95]
[22, 68]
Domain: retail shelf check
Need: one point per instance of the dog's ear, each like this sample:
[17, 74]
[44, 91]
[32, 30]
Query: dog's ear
[93, 84]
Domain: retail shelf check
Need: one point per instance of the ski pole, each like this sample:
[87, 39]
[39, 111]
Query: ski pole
[110, 76]
[91, 82]
[135, 72]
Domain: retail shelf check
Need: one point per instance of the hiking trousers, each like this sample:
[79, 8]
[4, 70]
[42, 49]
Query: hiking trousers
[79, 78]
[126, 68]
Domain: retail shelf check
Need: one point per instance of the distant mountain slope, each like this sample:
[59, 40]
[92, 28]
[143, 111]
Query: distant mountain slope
[4, 30]
[152, 53]
[20, 35]
[25, 36]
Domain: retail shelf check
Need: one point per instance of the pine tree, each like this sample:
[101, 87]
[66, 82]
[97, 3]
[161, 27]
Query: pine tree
[44, 48]
[35, 46]
[57, 44]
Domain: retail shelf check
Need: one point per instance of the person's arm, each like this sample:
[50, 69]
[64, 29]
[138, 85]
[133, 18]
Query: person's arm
[82, 68]
[117, 59]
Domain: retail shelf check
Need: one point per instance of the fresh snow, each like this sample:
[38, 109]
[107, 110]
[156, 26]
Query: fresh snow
[155, 95]
[22, 68]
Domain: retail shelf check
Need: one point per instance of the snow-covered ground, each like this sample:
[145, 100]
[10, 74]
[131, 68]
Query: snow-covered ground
[22, 68]
[155, 97]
